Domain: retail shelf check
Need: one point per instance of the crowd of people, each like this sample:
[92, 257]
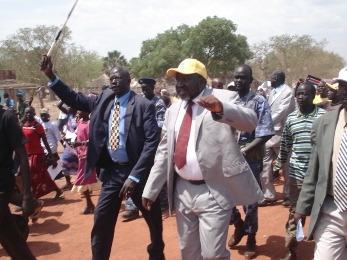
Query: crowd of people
[199, 156]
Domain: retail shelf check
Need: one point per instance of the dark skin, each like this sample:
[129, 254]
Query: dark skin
[45, 118]
[277, 79]
[243, 79]
[322, 90]
[90, 206]
[217, 83]
[120, 85]
[333, 96]
[148, 91]
[27, 201]
[306, 106]
[188, 87]
[305, 94]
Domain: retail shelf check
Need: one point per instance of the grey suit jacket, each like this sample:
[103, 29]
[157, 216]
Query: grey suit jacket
[224, 168]
[315, 185]
[281, 106]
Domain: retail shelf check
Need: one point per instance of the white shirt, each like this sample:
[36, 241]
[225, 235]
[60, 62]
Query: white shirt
[191, 170]
[52, 134]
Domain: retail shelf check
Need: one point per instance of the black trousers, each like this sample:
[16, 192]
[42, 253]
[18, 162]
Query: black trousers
[107, 209]
[10, 237]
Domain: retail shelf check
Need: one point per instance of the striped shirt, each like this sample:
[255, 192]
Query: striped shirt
[296, 138]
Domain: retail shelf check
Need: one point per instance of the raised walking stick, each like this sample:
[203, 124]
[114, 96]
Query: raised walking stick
[61, 29]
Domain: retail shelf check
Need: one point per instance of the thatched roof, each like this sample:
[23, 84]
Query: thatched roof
[96, 85]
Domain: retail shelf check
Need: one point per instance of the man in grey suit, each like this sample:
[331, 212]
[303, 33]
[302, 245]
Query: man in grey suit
[282, 103]
[203, 166]
[324, 190]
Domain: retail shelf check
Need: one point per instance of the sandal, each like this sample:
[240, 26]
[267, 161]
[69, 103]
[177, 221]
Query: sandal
[88, 210]
[35, 216]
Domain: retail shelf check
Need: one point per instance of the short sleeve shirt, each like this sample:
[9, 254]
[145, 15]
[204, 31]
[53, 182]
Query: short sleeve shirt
[11, 137]
[265, 125]
[32, 132]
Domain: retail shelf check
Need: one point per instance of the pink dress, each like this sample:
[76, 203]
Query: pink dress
[81, 184]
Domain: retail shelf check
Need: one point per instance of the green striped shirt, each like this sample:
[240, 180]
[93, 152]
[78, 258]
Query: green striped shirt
[296, 138]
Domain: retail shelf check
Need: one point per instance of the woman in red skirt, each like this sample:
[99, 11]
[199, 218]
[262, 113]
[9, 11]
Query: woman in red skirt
[41, 182]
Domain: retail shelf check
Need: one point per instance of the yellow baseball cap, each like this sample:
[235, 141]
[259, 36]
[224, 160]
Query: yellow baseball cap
[188, 66]
[333, 86]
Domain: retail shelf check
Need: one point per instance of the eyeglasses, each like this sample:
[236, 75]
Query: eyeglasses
[116, 78]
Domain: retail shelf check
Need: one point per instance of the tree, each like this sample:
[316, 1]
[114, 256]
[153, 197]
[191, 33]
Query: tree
[298, 56]
[23, 51]
[213, 41]
[114, 58]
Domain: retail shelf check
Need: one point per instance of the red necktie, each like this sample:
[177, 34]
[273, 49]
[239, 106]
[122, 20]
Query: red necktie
[180, 157]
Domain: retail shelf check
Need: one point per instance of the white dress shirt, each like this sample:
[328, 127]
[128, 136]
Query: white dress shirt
[191, 170]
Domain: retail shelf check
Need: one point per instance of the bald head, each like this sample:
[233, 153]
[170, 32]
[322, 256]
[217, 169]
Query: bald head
[277, 78]
[217, 83]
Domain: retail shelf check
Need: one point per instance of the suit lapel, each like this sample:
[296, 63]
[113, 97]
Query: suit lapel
[328, 137]
[108, 109]
[277, 95]
[129, 114]
[200, 114]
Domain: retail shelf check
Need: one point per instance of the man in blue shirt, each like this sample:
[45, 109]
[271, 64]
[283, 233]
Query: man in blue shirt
[123, 140]
[147, 86]
[252, 145]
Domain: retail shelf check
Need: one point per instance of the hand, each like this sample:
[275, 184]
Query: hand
[31, 99]
[297, 217]
[28, 206]
[47, 67]
[211, 103]
[127, 189]
[277, 175]
[147, 203]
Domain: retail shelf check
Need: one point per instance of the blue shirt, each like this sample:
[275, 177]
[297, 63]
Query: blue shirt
[265, 125]
[119, 155]
[160, 110]
[278, 89]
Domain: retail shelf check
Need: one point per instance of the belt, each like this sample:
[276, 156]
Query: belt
[123, 163]
[197, 182]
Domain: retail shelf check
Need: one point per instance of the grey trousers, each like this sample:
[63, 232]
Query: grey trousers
[266, 177]
[330, 234]
[201, 223]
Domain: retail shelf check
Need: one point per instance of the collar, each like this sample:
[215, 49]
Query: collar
[30, 124]
[123, 98]
[184, 103]
[312, 114]
[276, 90]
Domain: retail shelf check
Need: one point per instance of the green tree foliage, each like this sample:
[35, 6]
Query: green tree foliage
[213, 41]
[114, 58]
[23, 50]
[298, 56]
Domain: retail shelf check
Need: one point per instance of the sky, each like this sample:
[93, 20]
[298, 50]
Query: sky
[107, 25]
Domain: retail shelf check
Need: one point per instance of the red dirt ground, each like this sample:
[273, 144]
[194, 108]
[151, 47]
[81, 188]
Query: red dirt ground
[62, 233]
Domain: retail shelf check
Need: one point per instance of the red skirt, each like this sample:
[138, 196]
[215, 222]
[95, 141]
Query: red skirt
[41, 182]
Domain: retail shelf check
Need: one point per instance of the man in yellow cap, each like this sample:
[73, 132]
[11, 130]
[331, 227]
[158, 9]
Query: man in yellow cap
[204, 181]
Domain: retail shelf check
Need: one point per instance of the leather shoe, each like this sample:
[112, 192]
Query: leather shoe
[131, 214]
[265, 202]
[286, 202]
[238, 234]
[250, 246]
[290, 256]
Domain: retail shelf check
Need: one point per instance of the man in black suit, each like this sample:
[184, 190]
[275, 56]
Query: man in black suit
[126, 161]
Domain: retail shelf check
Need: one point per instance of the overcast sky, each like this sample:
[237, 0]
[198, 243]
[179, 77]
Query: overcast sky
[107, 25]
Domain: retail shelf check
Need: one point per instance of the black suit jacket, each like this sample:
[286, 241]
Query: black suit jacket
[141, 129]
